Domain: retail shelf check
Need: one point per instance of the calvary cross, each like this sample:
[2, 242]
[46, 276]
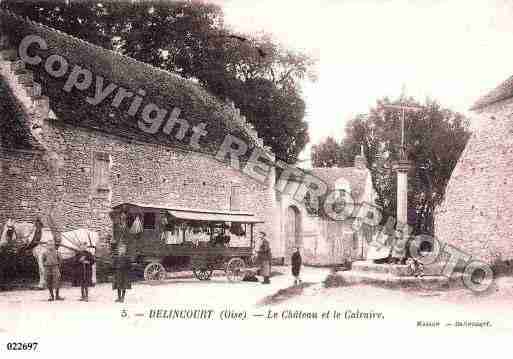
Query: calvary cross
[403, 108]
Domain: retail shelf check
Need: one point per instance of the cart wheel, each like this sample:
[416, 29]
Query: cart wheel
[235, 270]
[202, 273]
[154, 271]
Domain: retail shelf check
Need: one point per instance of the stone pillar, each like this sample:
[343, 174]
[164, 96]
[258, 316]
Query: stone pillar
[402, 167]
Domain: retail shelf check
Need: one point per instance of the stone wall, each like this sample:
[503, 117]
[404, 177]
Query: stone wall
[328, 242]
[25, 185]
[67, 178]
[139, 172]
[477, 213]
[323, 242]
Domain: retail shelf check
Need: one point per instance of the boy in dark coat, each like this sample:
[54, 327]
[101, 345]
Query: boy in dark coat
[121, 264]
[84, 272]
[296, 261]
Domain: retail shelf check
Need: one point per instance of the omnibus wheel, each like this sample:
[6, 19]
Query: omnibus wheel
[235, 270]
[203, 273]
[154, 271]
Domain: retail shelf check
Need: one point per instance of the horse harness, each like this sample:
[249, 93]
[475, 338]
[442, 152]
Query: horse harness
[11, 235]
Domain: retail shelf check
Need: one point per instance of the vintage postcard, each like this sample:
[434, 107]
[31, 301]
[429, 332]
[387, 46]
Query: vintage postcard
[234, 178]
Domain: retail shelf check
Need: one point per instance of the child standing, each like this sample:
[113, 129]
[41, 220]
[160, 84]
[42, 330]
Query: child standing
[296, 261]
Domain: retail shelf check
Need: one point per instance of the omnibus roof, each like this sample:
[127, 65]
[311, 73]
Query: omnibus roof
[198, 214]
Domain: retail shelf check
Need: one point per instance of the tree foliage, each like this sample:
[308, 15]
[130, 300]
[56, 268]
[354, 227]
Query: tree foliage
[435, 138]
[191, 39]
[328, 153]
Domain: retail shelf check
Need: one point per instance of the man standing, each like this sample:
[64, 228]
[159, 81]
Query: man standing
[296, 261]
[52, 262]
[84, 261]
[265, 257]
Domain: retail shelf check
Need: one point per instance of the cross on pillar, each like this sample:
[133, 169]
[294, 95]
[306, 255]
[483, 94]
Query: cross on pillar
[403, 108]
[402, 166]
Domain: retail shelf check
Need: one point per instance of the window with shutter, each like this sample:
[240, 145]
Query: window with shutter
[101, 173]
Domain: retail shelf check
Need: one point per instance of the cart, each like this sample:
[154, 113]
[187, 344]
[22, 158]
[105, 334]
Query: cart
[202, 240]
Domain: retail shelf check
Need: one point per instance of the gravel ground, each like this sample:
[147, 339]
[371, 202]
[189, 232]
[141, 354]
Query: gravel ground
[28, 311]
[405, 308]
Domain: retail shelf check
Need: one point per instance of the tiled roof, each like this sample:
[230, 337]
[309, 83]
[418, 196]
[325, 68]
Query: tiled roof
[500, 93]
[165, 89]
[356, 178]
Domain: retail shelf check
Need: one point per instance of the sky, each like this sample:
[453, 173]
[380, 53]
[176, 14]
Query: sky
[453, 51]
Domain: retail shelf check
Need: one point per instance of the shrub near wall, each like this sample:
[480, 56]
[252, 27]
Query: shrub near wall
[16, 267]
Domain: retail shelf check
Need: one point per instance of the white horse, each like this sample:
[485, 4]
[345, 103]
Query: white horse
[22, 234]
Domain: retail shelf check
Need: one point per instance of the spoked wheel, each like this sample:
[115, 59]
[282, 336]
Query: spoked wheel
[154, 271]
[202, 273]
[235, 270]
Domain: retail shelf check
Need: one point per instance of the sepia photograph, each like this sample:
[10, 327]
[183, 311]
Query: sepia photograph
[241, 178]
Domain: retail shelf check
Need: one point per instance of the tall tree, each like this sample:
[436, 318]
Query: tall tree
[435, 137]
[190, 38]
[328, 153]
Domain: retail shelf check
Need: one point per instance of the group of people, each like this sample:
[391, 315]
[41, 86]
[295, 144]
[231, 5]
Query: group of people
[264, 258]
[83, 272]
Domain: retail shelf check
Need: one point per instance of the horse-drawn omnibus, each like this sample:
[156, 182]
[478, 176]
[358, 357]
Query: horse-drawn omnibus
[202, 240]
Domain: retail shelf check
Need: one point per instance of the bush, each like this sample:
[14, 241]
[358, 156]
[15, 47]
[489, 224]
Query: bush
[334, 280]
[16, 266]
[501, 267]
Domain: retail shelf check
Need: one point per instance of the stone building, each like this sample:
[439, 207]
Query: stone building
[62, 154]
[323, 240]
[77, 165]
[477, 213]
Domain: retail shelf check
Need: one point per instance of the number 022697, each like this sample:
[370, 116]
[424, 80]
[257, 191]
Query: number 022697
[22, 346]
